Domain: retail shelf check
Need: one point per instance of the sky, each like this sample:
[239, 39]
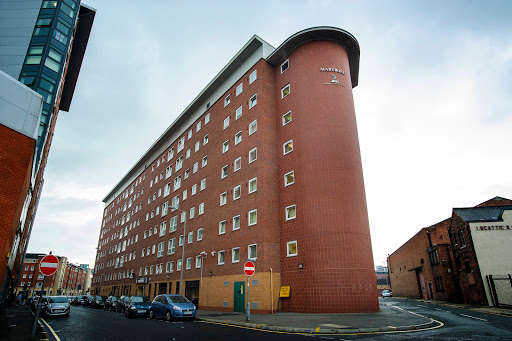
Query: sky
[433, 104]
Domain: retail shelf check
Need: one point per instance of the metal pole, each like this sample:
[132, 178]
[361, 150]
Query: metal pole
[248, 317]
[183, 249]
[201, 270]
[38, 309]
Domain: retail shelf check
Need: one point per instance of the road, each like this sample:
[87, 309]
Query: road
[459, 324]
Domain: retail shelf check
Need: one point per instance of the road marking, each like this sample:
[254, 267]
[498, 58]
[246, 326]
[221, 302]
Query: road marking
[51, 329]
[473, 317]
[423, 306]
[438, 309]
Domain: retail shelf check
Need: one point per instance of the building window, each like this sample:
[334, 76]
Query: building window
[178, 265]
[196, 146]
[238, 137]
[226, 122]
[160, 249]
[238, 113]
[198, 262]
[235, 255]
[223, 198]
[198, 126]
[195, 167]
[170, 154]
[222, 227]
[291, 249]
[227, 100]
[288, 147]
[189, 134]
[179, 164]
[200, 234]
[201, 208]
[462, 240]
[194, 189]
[181, 144]
[239, 89]
[252, 252]
[180, 241]
[290, 212]
[236, 192]
[171, 247]
[168, 171]
[284, 66]
[285, 91]
[177, 182]
[203, 184]
[238, 164]
[225, 146]
[205, 139]
[253, 101]
[189, 263]
[253, 217]
[221, 257]
[289, 178]
[207, 119]
[188, 153]
[192, 212]
[190, 237]
[236, 223]
[253, 127]
[253, 185]
[287, 118]
[183, 216]
[224, 172]
[253, 155]
[163, 228]
[253, 76]
[205, 161]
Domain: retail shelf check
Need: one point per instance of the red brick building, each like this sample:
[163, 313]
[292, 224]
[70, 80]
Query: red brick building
[264, 165]
[441, 262]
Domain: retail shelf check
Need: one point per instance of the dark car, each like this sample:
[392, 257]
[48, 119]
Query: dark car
[111, 303]
[88, 300]
[138, 306]
[78, 300]
[35, 300]
[55, 306]
[98, 301]
[171, 307]
[122, 303]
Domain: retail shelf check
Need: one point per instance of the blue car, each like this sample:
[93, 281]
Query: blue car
[171, 307]
[137, 306]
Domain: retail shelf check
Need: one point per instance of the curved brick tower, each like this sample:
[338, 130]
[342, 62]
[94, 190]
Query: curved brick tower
[323, 211]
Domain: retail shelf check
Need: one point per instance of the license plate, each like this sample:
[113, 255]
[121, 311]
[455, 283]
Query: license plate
[141, 310]
[187, 313]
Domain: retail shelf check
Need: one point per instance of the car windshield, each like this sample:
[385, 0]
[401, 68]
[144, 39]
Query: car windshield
[99, 298]
[178, 299]
[114, 298]
[139, 299]
[62, 299]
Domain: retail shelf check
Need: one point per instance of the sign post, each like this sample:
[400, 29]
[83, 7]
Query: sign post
[48, 266]
[249, 270]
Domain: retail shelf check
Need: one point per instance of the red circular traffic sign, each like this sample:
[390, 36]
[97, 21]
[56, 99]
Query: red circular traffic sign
[49, 265]
[249, 268]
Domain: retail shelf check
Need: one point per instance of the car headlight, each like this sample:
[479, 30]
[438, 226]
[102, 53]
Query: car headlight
[176, 308]
[133, 308]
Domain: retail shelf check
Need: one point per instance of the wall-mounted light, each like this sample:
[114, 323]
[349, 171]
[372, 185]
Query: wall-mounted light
[210, 273]
[301, 266]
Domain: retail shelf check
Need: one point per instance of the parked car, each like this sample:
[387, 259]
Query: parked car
[55, 306]
[138, 306]
[171, 307]
[387, 293]
[88, 300]
[111, 303]
[122, 303]
[35, 301]
[78, 300]
[98, 301]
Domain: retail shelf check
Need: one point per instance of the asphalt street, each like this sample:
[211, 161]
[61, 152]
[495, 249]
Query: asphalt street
[458, 324]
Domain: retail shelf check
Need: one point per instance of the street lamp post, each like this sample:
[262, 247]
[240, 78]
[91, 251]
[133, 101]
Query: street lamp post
[183, 246]
[203, 256]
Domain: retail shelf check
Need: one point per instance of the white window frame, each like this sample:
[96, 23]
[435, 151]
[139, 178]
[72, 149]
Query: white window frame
[199, 234]
[222, 227]
[223, 199]
[207, 119]
[181, 144]
[239, 162]
[239, 89]
[205, 139]
[235, 250]
[253, 127]
[236, 219]
[287, 211]
[219, 260]
[225, 146]
[205, 161]
[285, 64]
[195, 168]
[288, 254]
[253, 101]
[286, 183]
[253, 76]
[196, 146]
[201, 208]
[238, 137]
[188, 263]
[255, 211]
[203, 184]
[198, 126]
[284, 147]
[255, 246]
[189, 135]
[285, 121]
[227, 100]
[226, 123]
[255, 180]
[255, 150]
[238, 113]
[285, 90]
[190, 237]
[235, 190]
[224, 172]
[198, 261]
[194, 189]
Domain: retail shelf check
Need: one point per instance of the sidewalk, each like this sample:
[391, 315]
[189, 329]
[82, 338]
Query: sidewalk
[479, 308]
[388, 319]
[16, 324]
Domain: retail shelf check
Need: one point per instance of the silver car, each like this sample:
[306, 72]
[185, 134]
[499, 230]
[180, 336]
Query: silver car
[56, 306]
[387, 293]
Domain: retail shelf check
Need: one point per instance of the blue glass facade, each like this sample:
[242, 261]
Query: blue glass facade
[46, 56]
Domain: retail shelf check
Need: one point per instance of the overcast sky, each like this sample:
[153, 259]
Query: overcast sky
[433, 103]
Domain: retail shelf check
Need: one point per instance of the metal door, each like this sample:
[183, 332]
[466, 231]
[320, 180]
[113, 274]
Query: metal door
[239, 297]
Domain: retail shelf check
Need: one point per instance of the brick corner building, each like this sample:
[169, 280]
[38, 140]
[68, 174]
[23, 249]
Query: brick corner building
[264, 165]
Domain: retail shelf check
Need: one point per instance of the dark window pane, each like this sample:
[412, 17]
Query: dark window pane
[41, 31]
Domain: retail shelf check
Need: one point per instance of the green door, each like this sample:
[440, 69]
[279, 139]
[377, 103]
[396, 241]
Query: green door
[239, 299]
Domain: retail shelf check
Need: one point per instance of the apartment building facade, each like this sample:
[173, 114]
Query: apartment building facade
[264, 165]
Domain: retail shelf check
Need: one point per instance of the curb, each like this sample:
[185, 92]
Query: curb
[429, 324]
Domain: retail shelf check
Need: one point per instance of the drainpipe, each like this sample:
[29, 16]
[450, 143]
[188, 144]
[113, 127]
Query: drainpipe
[271, 292]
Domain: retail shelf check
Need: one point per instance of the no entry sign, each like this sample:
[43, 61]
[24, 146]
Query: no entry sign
[249, 268]
[49, 265]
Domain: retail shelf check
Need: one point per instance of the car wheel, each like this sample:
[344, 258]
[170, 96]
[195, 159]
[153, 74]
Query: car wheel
[151, 314]
[67, 315]
[168, 316]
